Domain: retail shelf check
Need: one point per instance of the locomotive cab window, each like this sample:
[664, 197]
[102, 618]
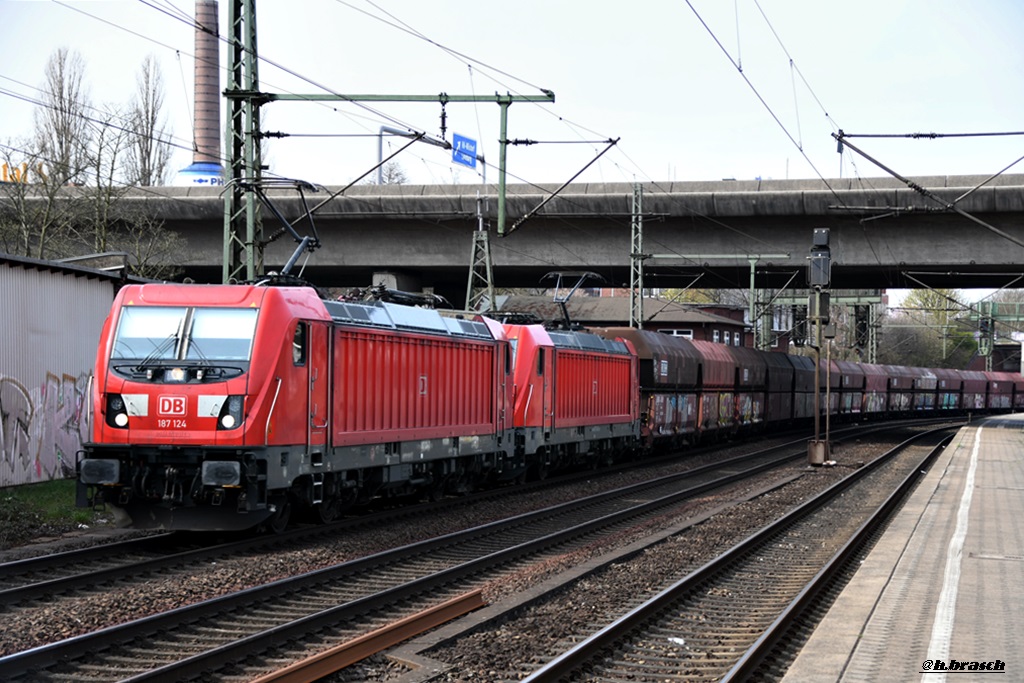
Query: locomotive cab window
[221, 333]
[299, 345]
[155, 333]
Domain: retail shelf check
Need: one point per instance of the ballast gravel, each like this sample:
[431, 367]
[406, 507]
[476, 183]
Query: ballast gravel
[588, 601]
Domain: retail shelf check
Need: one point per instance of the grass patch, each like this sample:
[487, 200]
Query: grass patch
[33, 510]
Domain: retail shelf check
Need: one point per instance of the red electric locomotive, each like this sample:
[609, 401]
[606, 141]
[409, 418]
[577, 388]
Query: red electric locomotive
[224, 406]
[576, 397]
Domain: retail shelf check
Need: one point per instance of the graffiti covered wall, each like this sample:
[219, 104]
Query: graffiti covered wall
[41, 428]
[50, 319]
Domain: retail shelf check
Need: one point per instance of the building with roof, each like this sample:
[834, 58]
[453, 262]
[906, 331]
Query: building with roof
[51, 316]
[709, 322]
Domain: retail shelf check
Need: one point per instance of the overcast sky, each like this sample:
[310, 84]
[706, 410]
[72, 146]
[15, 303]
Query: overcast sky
[649, 73]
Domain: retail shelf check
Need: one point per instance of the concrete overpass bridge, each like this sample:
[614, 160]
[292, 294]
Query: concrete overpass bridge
[883, 234]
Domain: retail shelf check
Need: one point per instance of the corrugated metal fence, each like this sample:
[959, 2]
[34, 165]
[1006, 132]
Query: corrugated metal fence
[50, 321]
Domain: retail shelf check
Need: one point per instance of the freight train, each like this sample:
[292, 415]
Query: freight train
[230, 407]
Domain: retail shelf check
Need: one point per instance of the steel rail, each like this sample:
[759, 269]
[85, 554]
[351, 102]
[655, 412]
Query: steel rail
[337, 658]
[43, 563]
[571, 661]
[763, 646]
[81, 577]
[258, 643]
[17, 571]
[43, 657]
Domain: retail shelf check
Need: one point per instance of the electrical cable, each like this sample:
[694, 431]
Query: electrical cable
[95, 121]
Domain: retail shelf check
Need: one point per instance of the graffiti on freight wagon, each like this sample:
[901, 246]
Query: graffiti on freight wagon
[41, 428]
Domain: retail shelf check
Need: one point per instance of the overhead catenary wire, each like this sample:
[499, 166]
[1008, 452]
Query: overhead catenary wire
[841, 135]
[181, 16]
[793, 66]
[931, 195]
[123, 127]
[172, 11]
[933, 136]
[431, 162]
[764, 102]
[402, 26]
[962, 306]
[192, 23]
[184, 201]
[470, 61]
[188, 104]
[425, 162]
[775, 117]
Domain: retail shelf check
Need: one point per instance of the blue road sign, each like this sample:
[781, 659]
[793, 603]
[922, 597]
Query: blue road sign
[464, 151]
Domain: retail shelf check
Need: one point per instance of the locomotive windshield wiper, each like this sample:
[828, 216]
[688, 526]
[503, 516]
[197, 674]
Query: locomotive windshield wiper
[193, 348]
[157, 354]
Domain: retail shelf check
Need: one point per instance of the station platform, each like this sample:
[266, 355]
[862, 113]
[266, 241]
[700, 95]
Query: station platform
[941, 595]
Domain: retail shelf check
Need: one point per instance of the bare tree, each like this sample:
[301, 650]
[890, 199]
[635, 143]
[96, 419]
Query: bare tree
[693, 295]
[152, 248]
[109, 222]
[99, 211]
[1009, 296]
[149, 154]
[70, 199]
[34, 220]
[39, 215]
[62, 123]
[391, 173]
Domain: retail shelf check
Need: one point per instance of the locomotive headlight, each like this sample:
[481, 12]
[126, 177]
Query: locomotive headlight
[231, 413]
[175, 375]
[117, 413]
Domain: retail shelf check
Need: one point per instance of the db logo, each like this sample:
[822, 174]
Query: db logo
[172, 405]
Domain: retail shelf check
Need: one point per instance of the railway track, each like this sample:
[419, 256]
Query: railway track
[724, 620]
[112, 565]
[239, 635]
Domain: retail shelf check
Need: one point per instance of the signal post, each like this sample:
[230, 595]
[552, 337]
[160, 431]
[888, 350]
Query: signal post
[819, 270]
